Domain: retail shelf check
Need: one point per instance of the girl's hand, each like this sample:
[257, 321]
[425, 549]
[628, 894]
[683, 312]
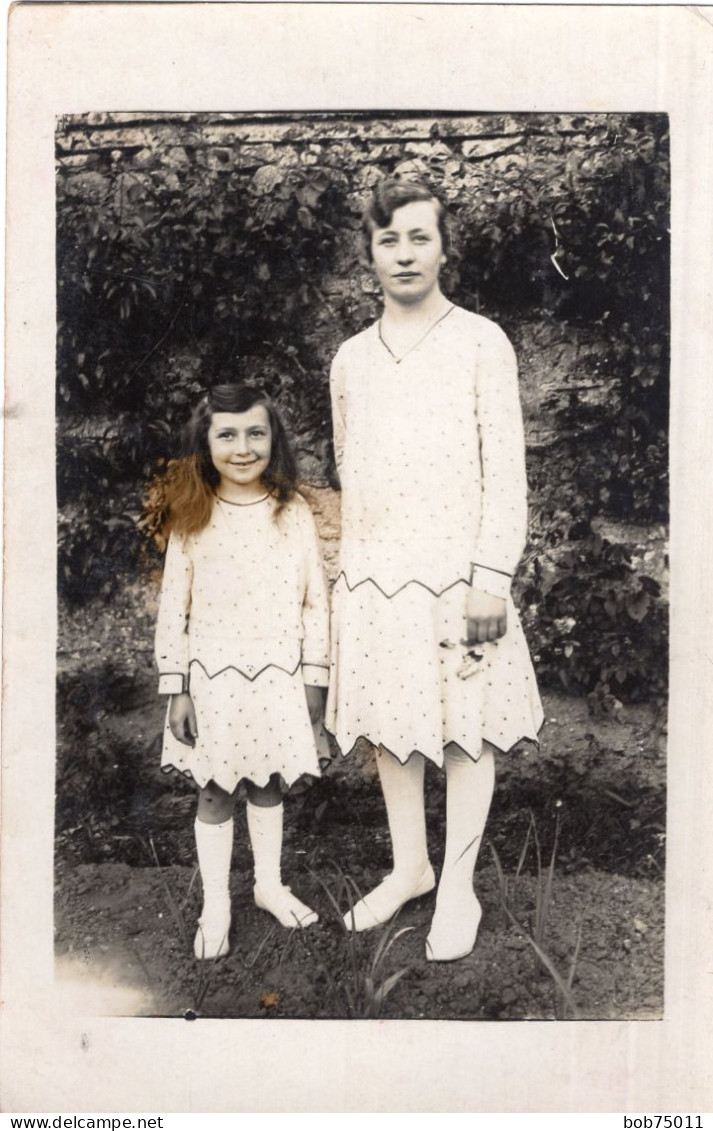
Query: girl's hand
[486, 618]
[315, 703]
[182, 719]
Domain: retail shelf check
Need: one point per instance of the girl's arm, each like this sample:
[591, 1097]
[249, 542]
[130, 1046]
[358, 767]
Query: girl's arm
[172, 624]
[315, 611]
[503, 520]
[182, 719]
[336, 388]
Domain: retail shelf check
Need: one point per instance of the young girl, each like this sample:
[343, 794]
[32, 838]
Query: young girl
[429, 658]
[241, 641]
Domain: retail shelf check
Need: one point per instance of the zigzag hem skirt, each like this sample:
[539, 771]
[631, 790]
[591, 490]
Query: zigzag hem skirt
[247, 729]
[394, 674]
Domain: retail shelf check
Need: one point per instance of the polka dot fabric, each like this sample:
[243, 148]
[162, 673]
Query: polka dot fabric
[431, 456]
[394, 683]
[246, 730]
[244, 615]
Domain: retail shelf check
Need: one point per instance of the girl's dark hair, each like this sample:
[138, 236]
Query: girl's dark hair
[395, 192]
[182, 498]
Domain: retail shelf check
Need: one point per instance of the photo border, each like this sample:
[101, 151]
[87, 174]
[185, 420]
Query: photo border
[93, 57]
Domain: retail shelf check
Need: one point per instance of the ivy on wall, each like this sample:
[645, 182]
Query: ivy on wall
[192, 249]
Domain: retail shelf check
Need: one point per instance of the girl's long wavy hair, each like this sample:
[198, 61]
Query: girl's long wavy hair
[182, 497]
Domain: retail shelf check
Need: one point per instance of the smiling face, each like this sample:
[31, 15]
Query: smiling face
[240, 446]
[408, 254]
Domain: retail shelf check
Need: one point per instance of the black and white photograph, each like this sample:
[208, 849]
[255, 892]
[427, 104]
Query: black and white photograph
[356, 558]
[292, 354]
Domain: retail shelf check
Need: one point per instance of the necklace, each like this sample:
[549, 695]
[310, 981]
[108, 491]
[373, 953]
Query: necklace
[253, 503]
[418, 341]
[223, 503]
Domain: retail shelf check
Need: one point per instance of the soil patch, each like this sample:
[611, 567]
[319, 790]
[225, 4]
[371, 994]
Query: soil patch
[128, 894]
[131, 929]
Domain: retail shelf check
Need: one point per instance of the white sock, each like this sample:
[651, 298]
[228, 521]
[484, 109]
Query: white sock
[469, 791]
[265, 830]
[214, 844]
[412, 875]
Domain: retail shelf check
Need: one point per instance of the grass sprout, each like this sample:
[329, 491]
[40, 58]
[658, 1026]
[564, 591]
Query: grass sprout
[508, 887]
[565, 1006]
[177, 908]
[206, 971]
[543, 887]
[362, 985]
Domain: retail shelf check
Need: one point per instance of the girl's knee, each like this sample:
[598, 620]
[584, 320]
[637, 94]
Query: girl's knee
[214, 804]
[266, 797]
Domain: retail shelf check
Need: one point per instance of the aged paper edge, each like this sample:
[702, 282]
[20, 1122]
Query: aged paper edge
[78, 58]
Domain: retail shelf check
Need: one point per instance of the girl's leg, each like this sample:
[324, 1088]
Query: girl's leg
[412, 875]
[265, 813]
[469, 790]
[214, 843]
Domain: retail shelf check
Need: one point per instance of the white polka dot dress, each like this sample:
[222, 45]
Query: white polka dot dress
[431, 456]
[244, 617]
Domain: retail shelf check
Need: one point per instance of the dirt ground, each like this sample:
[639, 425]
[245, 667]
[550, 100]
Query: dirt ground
[587, 942]
[128, 894]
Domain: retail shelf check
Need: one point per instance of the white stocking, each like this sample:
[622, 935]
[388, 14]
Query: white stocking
[412, 875]
[469, 791]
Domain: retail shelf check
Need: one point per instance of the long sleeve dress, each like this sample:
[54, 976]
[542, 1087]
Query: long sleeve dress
[431, 456]
[243, 623]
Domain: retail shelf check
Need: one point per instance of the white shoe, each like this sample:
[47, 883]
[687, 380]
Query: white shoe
[286, 907]
[211, 941]
[454, 927]
[384, 901]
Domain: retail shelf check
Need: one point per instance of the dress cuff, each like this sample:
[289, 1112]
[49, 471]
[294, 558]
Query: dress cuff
[315, 675]
[174, 683]
[491, 581]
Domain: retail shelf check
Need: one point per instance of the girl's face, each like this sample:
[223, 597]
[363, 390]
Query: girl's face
[408, 254]
[240, 445]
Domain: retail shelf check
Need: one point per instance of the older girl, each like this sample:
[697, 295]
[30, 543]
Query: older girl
[428, 656]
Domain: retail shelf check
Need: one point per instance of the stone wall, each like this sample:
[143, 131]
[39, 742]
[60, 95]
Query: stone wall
[125, 175]
[118, 155]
